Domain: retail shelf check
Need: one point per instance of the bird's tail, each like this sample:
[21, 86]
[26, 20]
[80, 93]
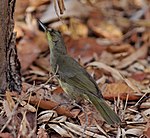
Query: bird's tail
[106, 112]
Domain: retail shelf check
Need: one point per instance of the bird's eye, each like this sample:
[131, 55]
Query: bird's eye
[55, 39]
[59, 32]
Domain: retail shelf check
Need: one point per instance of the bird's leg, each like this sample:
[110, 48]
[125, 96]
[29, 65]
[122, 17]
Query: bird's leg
[86, 117]
[82, 109]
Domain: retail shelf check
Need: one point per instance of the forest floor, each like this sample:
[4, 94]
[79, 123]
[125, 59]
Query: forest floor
[111, 40]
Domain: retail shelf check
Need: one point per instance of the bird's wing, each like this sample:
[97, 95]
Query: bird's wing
[75, 75]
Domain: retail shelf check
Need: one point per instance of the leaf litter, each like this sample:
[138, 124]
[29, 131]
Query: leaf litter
[110, 39]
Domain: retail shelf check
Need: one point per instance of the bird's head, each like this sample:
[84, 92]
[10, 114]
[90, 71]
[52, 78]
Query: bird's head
[54, 38]
[52, 35]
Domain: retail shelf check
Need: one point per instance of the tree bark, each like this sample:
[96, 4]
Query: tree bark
[9, 64]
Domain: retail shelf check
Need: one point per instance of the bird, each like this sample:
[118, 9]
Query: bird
[73, 78]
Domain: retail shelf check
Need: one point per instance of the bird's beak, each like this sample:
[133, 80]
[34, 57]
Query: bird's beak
[42, 25]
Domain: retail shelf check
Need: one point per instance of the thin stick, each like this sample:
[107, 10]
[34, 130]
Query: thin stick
[141, 98]
[11, 115]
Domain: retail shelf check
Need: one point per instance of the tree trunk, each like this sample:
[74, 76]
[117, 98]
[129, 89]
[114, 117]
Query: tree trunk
[9, 64]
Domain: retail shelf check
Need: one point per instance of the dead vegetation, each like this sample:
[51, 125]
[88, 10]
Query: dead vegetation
[111, 39]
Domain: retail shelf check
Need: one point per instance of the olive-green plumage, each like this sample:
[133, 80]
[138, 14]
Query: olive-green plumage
[74, 79]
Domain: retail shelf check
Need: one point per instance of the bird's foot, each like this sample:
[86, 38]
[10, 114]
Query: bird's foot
[86, 117]
[81, 108]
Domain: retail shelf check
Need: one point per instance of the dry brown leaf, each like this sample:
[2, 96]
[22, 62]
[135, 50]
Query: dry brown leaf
[120, 48]
[43, 62]
[7, 108]
[107, 58]
[42, 133]
[147, 130]
[20, 8]
[139, 76]
[37, 70]
[79, 130]
[76, 29]
[147, 70]
[141, 52]
[50, 105]
[41, 41]
[115, 73]
[82, 45]
[105, 29]
[23, 131]
[28, 106]
[134, 132]
[30, 46]
[46, 104]
[27, 125]
[121, 90]
[58, 90]
[28, 51]
[19, 30]
[45, 116]
[6, 135]
[90, 116]
[59, 130]
[10, 101]
[75, 112]
[145, 105]
[37, 3]
[146, 112]
[131, 84]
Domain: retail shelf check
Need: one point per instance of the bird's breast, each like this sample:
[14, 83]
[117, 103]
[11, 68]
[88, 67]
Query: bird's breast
[72, 92]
